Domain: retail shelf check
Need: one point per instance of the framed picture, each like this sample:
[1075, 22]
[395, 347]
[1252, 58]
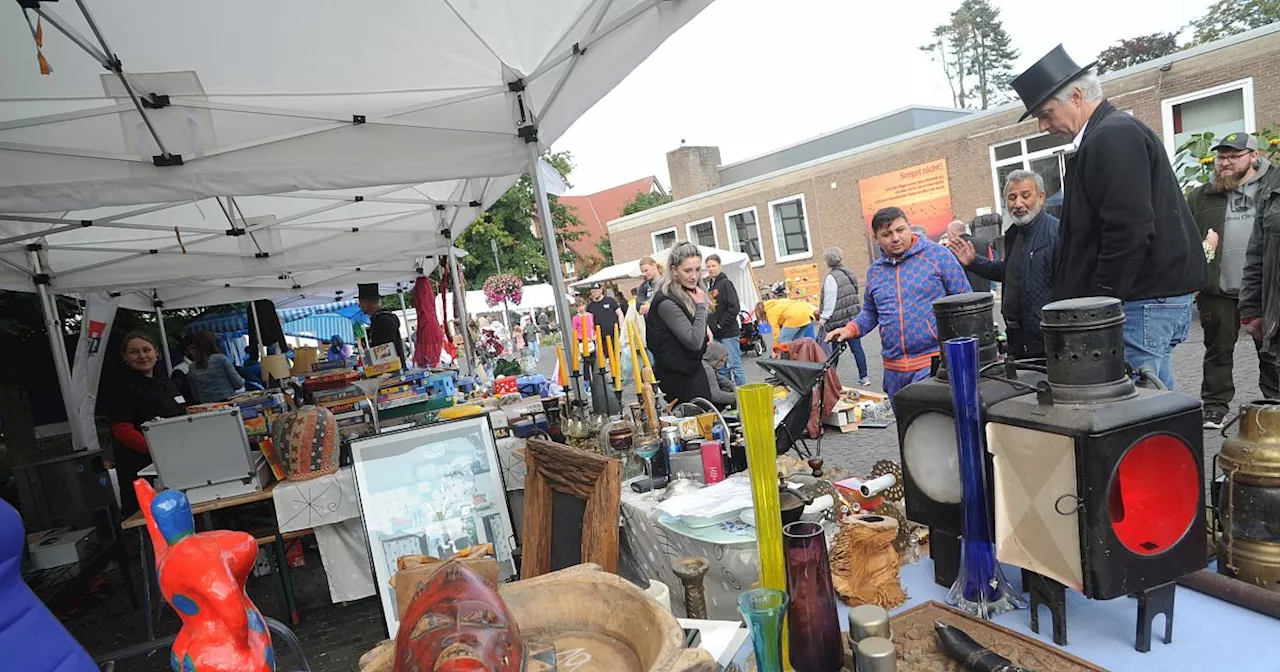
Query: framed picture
[432, 490]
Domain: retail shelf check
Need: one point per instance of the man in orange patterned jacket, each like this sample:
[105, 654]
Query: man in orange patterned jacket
[900, 290]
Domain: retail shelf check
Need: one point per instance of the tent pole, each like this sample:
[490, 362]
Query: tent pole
[460, 309]
[404, 312]
[253, 312]
[164, 338]
[57, 343]
[551, 245]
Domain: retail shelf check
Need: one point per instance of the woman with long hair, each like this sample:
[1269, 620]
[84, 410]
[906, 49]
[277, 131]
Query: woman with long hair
[213, 377]
[141, 396]
[676, 328]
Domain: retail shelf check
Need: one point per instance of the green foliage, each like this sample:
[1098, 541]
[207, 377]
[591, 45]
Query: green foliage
[1194, 159]
[976, 55]
[511, 222]
[605, 247]
[1135, 50]
[644, 201]
[1225, 18]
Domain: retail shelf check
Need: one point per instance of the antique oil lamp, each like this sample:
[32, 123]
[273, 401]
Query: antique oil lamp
[1248, 500]
[926, 428]
[1098, 484]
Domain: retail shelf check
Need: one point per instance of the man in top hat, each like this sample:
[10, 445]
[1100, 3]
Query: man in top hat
[384, 326]
[1126, 230]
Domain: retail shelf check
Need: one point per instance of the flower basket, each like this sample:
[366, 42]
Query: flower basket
[503, 287]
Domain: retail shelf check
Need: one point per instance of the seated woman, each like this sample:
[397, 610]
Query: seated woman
[212, 376]
[676, 328]
[141, 396]
[723, 393]
[338, 351]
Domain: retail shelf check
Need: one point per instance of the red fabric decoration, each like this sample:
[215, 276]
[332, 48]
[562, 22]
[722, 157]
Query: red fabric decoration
[430, 336]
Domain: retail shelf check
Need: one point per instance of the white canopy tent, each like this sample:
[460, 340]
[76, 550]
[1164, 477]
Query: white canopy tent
[205, 105]
[735, 265]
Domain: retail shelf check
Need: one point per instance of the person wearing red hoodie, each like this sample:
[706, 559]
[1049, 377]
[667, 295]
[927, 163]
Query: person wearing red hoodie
[900, 290]
[141, 396]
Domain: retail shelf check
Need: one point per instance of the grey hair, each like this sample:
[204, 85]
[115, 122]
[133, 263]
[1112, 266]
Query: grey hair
[1022, 176]
[1089, 87]
[834, 257]
[669, 284]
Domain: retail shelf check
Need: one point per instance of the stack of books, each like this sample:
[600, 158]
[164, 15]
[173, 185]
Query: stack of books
[349, 407]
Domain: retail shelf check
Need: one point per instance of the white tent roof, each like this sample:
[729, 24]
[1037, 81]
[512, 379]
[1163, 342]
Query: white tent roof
[319, 100]
[736, 265]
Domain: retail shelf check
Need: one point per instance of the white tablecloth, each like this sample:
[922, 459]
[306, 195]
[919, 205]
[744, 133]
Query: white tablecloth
[651, 548]
[330, 506]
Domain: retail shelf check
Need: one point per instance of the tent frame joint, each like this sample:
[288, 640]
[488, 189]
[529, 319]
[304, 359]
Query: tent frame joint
[357, 119]
[154, 101]
[578, 50]
[42, 279]
[528, 133]
[516, 86]
[166, 160]
[34, 247]
[475, 204]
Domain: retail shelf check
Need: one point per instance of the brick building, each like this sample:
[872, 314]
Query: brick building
[810, 198]
[595, 211]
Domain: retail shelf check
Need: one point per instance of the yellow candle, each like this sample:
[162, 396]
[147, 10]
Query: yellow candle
[635, 357]
[755, 404]
[573, 348]
[644, 354]
[564, 370]
[599, 350]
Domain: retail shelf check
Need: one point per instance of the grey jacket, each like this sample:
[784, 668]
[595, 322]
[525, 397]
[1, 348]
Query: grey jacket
[1260, 294]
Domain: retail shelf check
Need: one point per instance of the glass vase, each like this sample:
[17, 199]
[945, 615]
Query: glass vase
[763, 610]
[812, 620]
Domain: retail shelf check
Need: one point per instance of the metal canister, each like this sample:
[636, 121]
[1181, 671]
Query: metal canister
[1249, 499]
[875, 654]
[671, 441]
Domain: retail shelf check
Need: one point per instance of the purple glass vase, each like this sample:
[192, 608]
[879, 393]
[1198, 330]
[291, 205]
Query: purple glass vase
[812, 621]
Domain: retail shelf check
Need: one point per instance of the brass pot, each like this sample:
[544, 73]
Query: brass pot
[1249, 501]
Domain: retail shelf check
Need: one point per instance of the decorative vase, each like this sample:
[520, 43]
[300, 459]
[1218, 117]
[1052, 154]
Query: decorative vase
[307, 441]
[812, 620]
[763, 610]
[980, 588]
[755, 407]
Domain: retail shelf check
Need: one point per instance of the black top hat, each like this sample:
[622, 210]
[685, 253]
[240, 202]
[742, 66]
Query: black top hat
[1047, 77]
[369, 290]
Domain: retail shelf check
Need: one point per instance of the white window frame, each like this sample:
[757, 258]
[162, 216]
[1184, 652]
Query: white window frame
[653, 238]
[734, 243]
[715, 235]
[1167, 105]
[773, 230]
[1024, 160]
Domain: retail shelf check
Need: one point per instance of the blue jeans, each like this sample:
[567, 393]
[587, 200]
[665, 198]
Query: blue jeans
[788, 334]
[733, 367]
[1152, 327]
[533, 349]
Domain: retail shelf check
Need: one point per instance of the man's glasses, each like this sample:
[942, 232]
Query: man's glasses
[1232, 158]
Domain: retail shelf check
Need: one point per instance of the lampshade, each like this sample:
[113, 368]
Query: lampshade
[275, 367]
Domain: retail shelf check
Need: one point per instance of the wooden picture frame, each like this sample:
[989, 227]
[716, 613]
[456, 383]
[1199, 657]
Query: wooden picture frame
[595, 479]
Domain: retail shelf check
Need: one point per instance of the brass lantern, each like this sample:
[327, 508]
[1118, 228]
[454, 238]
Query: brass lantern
[1249, 499]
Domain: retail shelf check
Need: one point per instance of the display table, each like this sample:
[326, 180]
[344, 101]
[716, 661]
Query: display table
[330, 507]
[651, 548]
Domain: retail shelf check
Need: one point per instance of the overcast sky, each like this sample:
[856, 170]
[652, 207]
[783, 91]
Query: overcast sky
[754, 75]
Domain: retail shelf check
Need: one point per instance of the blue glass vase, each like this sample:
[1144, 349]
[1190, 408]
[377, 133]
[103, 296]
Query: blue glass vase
[763, 610]
[980, 588]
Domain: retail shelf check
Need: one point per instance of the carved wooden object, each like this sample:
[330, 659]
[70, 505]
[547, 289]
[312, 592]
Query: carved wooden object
[864, 565]
[593, 478]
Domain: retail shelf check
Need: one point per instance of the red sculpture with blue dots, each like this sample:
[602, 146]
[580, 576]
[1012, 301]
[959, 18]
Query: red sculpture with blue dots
[202, 576]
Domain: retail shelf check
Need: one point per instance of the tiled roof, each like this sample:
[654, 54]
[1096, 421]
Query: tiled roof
[595, 210]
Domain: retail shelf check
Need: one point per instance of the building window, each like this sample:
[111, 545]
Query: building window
[702, 233]
[1222, 110]
[1042, 154]
[664, 240]
[791, 239]
[744, 234]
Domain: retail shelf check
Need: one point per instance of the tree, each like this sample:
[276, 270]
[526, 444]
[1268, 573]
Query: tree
[605, 247]
[643, 201]
[510, 221]
[1225, 18]
[976, 55]
[1135, 50]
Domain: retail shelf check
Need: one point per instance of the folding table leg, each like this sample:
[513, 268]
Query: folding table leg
[286, 579]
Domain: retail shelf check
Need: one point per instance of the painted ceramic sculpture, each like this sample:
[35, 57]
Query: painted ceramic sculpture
[202, 577]
[457, 623]
[307, 440]
[864, 564]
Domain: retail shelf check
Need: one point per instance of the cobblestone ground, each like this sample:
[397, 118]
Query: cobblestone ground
[334, 636]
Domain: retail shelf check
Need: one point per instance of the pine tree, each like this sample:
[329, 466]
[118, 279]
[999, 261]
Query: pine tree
[976, 55]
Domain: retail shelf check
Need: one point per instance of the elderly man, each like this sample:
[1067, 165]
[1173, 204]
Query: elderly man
[1225, 210]
[1126, 230]
[839, 304]
[901, 288]
[1031, 246]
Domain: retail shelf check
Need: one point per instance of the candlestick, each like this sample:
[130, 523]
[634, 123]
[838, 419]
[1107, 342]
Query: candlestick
[599, 350]
[573, 348]
[615, 367]
[563, 378]
[645, 355]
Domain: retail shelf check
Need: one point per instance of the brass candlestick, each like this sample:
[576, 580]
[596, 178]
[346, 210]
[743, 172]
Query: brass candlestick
[691, 572]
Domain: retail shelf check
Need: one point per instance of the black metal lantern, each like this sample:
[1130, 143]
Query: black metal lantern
[1098, 484]
[926, 428]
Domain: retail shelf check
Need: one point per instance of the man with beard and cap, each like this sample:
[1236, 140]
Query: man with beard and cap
[384, 326]
[1126, 229]
[1027, 267]
[1228, 210]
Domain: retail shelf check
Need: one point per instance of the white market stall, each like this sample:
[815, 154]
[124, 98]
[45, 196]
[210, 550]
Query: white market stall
[149, 175]
[735, 265]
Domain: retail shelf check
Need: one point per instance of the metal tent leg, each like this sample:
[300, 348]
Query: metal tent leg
[549, 243]
[57, 343]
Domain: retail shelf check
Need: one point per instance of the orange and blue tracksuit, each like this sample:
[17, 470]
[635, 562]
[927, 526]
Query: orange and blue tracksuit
[899, 299]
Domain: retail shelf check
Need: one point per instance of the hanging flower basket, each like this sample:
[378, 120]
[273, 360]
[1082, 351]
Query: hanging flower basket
[503, 286]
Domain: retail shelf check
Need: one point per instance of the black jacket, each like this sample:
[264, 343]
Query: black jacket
[1037, 280]
[723, 297]
[1126, 229]
[1260, 292]
[384, 327]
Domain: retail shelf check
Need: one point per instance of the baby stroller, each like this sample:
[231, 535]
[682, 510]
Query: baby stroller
[750, 339]
[791, 416]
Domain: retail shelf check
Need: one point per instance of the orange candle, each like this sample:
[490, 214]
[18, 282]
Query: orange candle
[564, 370]
[599, 350]
[644, 354]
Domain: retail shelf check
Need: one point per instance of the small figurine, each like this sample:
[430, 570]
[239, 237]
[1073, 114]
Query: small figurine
[457, 623]
[202, 577]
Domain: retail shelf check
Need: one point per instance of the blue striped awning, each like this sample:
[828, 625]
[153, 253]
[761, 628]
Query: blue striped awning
[236, 323]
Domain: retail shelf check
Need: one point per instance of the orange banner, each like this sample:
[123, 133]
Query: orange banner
[922, 191]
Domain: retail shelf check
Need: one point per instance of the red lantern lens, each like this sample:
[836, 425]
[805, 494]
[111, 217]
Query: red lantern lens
[1155, 494]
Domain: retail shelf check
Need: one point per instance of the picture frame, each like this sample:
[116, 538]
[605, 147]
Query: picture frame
[431, 490]
[592, 479]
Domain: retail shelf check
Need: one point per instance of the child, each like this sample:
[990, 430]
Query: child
[722, 388]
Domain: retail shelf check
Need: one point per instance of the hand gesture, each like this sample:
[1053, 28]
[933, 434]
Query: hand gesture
[698, 294]
[836, 335]
[644, 310]
[1253, 326]
[963, 250]
[1212, 239]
